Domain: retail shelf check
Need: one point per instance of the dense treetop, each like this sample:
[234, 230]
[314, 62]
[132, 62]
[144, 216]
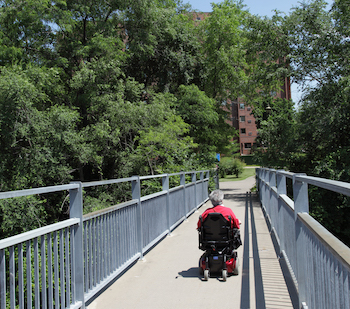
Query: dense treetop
[101, 89]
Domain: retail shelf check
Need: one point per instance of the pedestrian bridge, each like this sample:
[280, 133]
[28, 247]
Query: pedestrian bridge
[144, 252]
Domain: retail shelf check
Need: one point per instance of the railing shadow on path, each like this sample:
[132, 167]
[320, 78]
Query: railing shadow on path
[261, 291]
[251, 251]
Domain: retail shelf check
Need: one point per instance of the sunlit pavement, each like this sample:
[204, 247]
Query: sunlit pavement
[168, 276]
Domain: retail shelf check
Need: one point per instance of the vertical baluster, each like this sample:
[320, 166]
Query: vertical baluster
[92, 254]
[56, 269]
[20, 277]
[36, 274]
[29, 274]
[2, 279]
[112, 240]
[73, 266]
[12, 277]
[105, 245]
[94, 249]
[97, 243]
[43, 272]
[101, 245]
[86, 255]
[67, 260]
[118, 238]
[62, 289]
[108, 244]
[49, 271]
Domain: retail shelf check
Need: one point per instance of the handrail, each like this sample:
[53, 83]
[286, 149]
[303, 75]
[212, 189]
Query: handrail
[332, 185]
[315, 258]
[70, 262]
[34, 191]
[17, 239]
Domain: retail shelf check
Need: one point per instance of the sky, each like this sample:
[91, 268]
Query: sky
[257, 7]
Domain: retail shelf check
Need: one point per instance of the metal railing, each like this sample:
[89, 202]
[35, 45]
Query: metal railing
[64, 265]
[318, 262]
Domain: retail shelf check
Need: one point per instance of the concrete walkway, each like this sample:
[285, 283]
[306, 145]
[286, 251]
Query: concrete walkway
[168, 277]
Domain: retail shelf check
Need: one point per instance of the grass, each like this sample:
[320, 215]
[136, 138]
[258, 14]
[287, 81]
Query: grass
[247, 172]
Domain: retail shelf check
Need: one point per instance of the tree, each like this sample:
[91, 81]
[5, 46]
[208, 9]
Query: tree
[223, 38]
[207, 128]
[164, 145]
[277, 136]
[162, 47]
[25, 32]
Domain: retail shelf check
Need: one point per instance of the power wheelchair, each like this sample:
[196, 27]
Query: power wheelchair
[219, 241]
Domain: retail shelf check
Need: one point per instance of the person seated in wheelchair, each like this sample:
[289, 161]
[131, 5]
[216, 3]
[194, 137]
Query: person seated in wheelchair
[219, 237]
[217, 198]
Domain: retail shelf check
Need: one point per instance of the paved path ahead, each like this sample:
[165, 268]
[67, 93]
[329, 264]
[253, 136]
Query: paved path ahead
[168, 277]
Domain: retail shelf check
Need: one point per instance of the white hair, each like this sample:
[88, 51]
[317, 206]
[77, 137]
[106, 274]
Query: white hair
[216, 197]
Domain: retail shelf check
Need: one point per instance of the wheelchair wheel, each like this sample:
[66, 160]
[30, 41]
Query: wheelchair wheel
[235, 270]
[200, 271]
[206, 275]
[224, 274]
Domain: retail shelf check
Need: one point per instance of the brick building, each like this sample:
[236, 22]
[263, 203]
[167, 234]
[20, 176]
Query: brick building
[243, 120]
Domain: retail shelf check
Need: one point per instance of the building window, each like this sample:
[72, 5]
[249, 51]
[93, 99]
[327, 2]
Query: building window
[247, 145]
[250, 133]
[243, 131]
[249, 121]
[242, 118]
[241, 105]
[248, 109]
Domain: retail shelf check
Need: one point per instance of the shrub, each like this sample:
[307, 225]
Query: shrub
[230, 166]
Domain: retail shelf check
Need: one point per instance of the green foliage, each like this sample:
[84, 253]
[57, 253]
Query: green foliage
[36, 137]
[276, 135]
[206, 127]
[22, 214]
[223, 50]
[230, 166]
[164, 144]
[163, 50]
[315, 139]
[98, 90]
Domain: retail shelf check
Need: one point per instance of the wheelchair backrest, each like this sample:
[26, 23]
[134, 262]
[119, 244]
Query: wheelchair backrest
[216, 228]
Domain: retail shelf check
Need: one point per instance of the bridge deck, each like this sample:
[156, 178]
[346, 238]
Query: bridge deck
[168, 275]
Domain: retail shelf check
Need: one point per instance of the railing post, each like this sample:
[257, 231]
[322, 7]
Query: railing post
[301, 204]
[208, 183]
[165, 184]
[272, 184]
[136, 195]
[217, 178]
[194, 180]
[201, 177]
[76, 211]
[183, 183]
[281, 190]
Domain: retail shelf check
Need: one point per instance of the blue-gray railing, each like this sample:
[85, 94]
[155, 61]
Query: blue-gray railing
[318, 262]
[64, 265]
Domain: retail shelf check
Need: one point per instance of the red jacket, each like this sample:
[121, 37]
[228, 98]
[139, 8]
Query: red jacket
[225, 211]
